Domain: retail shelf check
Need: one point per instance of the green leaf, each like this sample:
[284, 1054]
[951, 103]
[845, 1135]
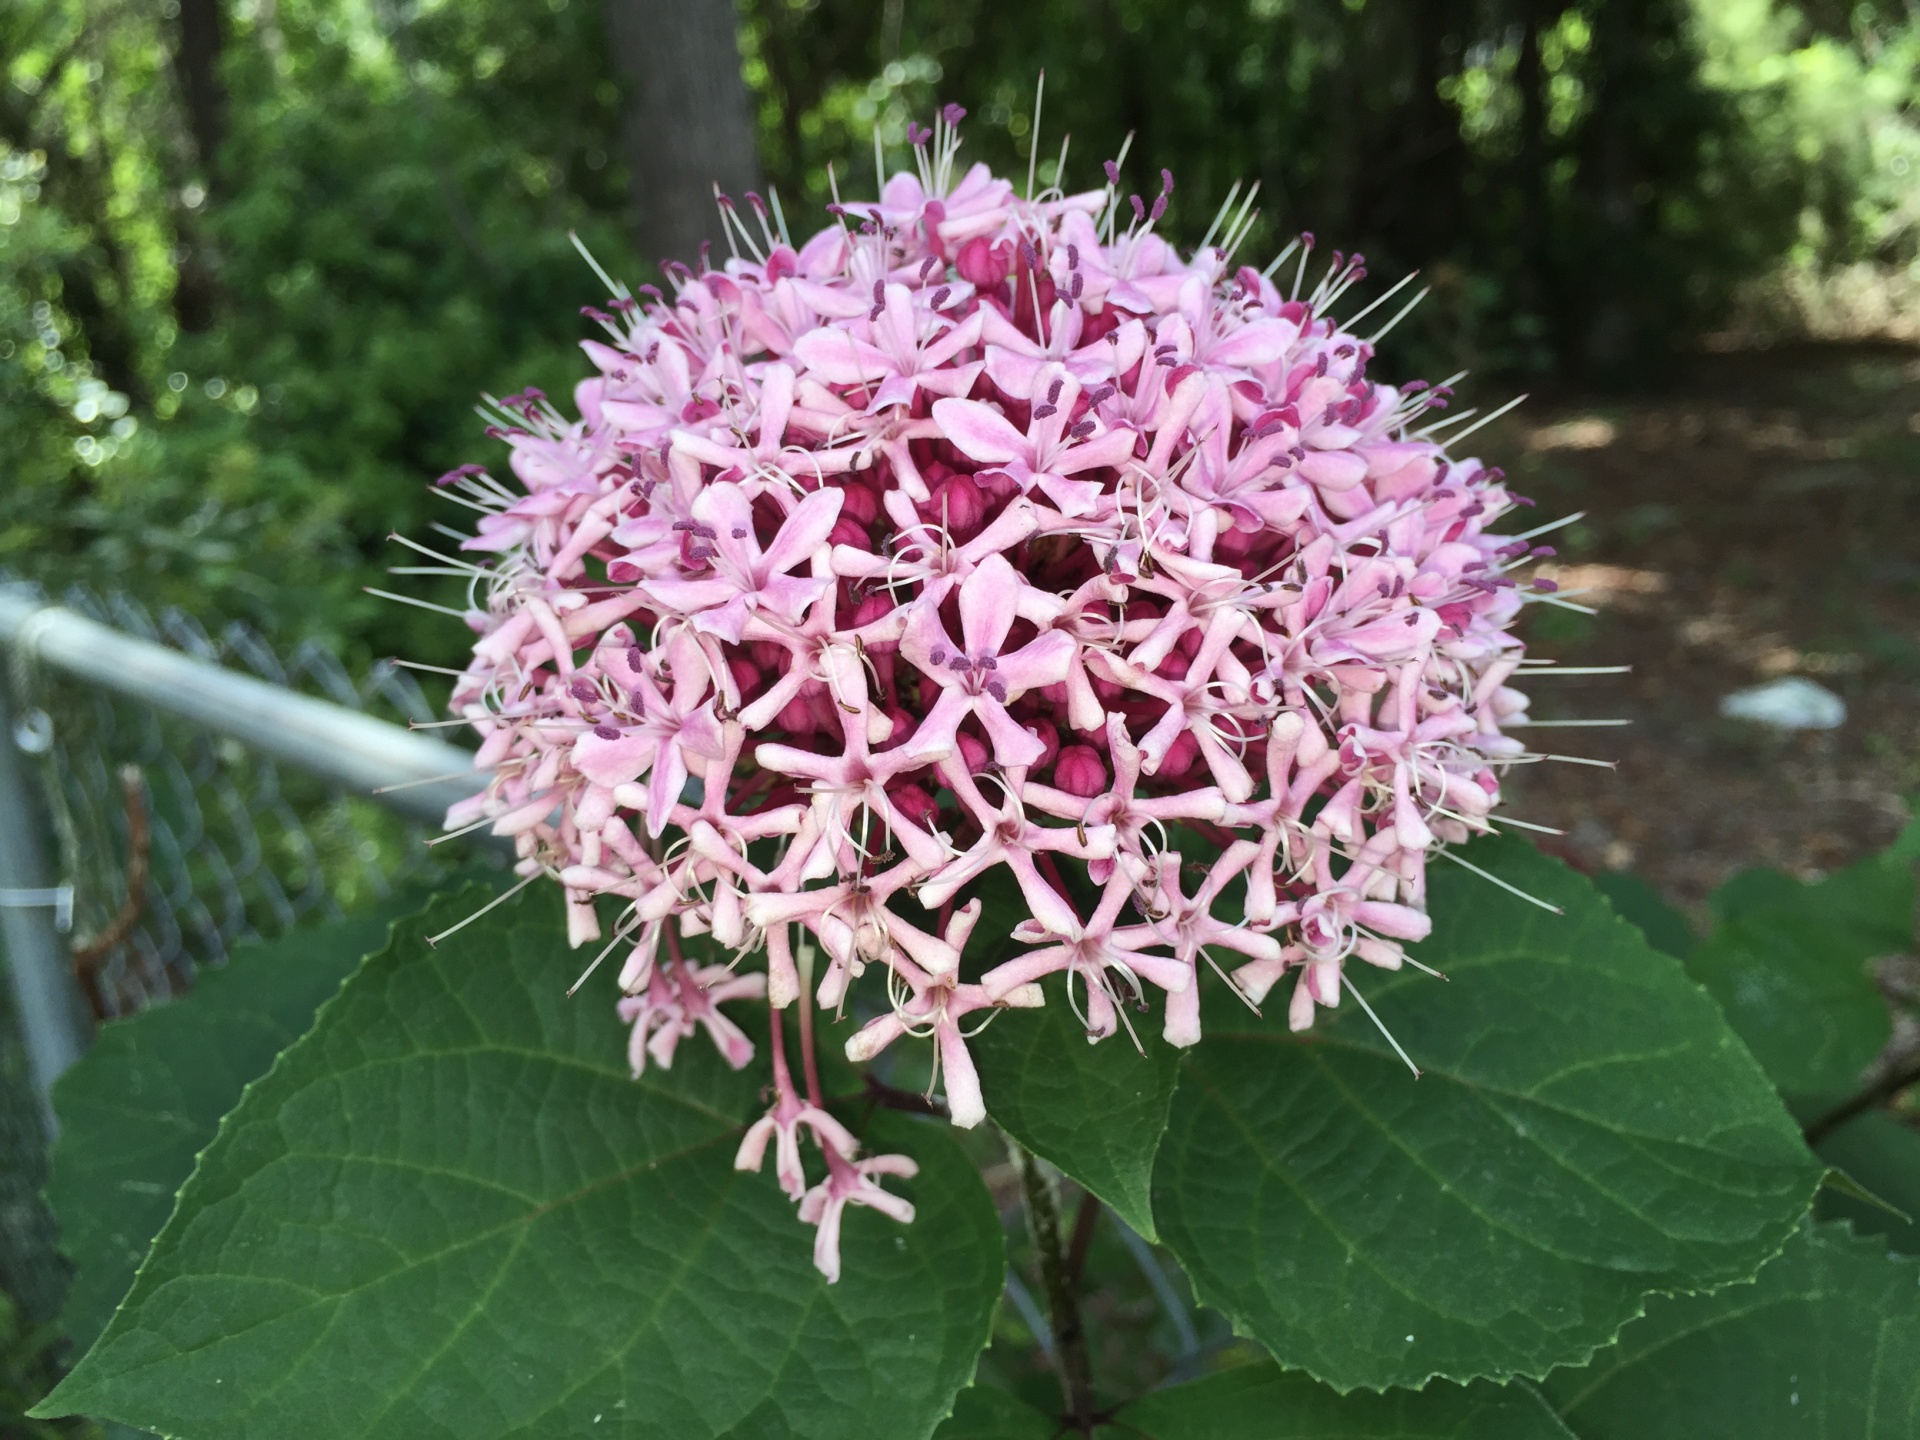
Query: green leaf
[1642, 906]
[1096, 1111]
[149, 1095]
[1880, 1153]
[1825, 1342]
[983, 1413]
[1587, 1130]
[1906, 845]
[1787, 962]
[448, 1210]
[1262, 1402]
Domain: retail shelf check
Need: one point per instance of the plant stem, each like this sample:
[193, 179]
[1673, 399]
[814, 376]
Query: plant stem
[1872, 1097]
[1063, 1305]
[809, 1066]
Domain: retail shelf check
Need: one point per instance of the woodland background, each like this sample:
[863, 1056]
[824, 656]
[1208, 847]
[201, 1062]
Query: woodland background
[258, 257]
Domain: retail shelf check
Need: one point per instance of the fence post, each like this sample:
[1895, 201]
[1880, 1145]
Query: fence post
[46, 1001]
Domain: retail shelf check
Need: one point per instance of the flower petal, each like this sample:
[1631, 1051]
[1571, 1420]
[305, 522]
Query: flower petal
[980, 431]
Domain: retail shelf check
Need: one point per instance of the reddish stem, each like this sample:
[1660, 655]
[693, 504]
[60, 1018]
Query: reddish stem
[807, 1062]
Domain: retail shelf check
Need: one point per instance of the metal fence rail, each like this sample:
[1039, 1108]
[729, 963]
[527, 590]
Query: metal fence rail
[164, 795]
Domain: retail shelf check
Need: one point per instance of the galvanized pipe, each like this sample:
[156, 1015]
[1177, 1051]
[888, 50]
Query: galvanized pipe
[53, 1027]
[354, 751]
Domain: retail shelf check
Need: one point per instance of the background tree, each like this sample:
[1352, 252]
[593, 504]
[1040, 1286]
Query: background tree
[689, 123]
[257, 261]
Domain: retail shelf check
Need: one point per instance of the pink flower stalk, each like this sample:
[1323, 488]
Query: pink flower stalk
[982, 533]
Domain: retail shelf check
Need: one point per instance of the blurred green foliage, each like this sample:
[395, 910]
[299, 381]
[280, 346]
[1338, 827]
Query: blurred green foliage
[224, 380]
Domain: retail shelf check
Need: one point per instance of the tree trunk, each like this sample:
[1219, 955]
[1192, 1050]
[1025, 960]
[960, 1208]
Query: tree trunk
[197, 49]
[199, 41]
[689, 122]
[1531, 81]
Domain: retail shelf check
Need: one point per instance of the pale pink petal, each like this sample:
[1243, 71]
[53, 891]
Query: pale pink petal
[979, 431]
[805, 530]
[988, 602]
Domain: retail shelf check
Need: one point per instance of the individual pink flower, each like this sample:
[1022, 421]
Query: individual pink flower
[852, 1182]
[1056, 445]
[974, 677]
[731, 576]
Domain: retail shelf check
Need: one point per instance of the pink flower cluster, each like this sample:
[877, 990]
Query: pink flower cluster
[983, 533]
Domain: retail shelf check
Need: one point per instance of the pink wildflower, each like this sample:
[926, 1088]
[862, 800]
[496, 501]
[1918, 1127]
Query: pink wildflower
[983, 534]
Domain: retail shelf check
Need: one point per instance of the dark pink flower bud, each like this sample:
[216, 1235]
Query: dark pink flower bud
[916, 804]
[974, 753]
[983, 264]
[848, 531]
[958, 504]
[1079, 770]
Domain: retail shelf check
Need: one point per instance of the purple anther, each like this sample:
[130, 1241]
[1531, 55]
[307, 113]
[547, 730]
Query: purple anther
[606, 732]
[1113, 173]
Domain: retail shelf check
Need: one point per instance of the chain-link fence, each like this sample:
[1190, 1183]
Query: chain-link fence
[153, 843]
[236, 846]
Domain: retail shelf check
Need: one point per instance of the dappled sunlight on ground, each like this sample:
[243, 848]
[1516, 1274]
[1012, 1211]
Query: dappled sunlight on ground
[1760, 519]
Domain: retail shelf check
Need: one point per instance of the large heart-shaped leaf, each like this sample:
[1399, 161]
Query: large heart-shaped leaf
[1647, 910]
[1261, 1402]
[983, 1413]
[449, 1210]
[1788, 964]
[1825, 1342]
[1587, 1131]
[149, 1095]
[1096, 1111]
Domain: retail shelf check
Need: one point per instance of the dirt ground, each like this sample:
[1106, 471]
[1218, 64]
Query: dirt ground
[1760, 518]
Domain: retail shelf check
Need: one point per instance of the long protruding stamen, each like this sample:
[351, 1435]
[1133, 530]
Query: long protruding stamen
[1354, 991]
[1033, 148]
[1511, 889]
[499, 899]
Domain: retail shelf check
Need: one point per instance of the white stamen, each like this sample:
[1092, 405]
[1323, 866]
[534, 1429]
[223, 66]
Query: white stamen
[1495, 879]
[1354, 991]
[499, 899]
